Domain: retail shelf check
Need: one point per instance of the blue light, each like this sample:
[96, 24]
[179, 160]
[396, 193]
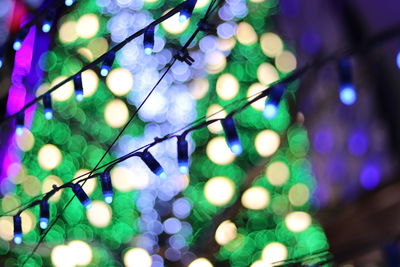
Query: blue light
[1, 62]
[108, 199]
[104, 72]
[183, 155]
[43, 223]
[19, 130]
[78, 87]
[398, 59]
[82, 196]
[79, 96]
[46, 27]
[162, 174]
[148, 51]
[184, 169]
[270, 111]
[348, 94]
[17, 45]
[183, 18]
[106, 186]
[236, 148]
[69, 2]
[148, 40]
[17, 239]
[153, 164]
[187, 10]
[48, 114]
[87, 204]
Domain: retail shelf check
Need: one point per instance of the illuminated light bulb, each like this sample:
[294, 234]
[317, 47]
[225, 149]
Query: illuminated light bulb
[81, 195]
[232, 136]
[183, 155]
[44, 214]
[20, 38]
[48, 110]
[347, 91]
[48, 21]
[17, 229]
[106, 186]
[148, 40]
[1, 62]
[107, 63]
[78, 87]
[272, 102]
[153, 164]
[69, 2]
[398, 59]
[187, 10]
[19, 128]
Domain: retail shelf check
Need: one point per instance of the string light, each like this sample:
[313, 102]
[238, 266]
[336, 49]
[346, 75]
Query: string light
[347, 92]
[48, 110]
[17, 229]
[272, 102]
[148, 40]
[106, 186]
[20, 38]
[187, 10]
[153, 164]
[48, 20]
[78, 87]
[82, 196]
[183, 155]
[44, 214]
[20, 123]
[69, 2]
[231, 135]
[107, 63]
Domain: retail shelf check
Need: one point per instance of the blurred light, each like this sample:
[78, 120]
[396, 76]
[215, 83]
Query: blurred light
[260, 263]
[47, 186]
[87, 26]
[199, 88]
[90, 82]
[298, 194]
[67, 32]
[286, 62]
[271, 44]
[398, 59]
[267, 142]
[215, 62]
[201, 4]
[137, 257]
[201, 262]
[126, 180]
[256, 198]
[219, 190]
[358, 144]
[100, 214]
[219, 152]
[226, 44]
[267, 74]
[215, 127]
[172, 226]
[46, 27]
[181, 208]
[253, 91]
[116, 113]
[61, 256]
[277, 173]
[246, 34]
[64, 92]
[69, 2]
[274, 252]
[174, 25]
[370, 176]
[28, 221]
[227, 30]
[323, 141]
[49, 157]
[298, 221]
[227, 86]
[348, 94]
[120, 81]
[225, 232]
[81, 252]
[25, 141]
[6, 228]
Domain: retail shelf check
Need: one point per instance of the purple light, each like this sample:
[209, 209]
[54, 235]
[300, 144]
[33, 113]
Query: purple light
[172, 226]
[370, 176]
[358, 144]
[181, 208]
[177, 241]
[172, 254]
[323, 142]
[310, 42]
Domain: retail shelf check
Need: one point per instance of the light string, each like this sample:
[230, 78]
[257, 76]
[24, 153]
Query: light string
[372, 42]
[77, 188]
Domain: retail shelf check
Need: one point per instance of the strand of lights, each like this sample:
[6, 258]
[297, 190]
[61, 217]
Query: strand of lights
[377, 39]
[183, 154]
[169, 14]
[347, 93]
[153, 164]
[106, 186]
[231, 135]
[272, 102]
[102, 58]
[20, 123]
[44, 214]
[17, 229]
[81, 195]
[78, 87]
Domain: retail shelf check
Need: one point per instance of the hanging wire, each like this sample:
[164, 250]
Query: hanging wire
[115, 140]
